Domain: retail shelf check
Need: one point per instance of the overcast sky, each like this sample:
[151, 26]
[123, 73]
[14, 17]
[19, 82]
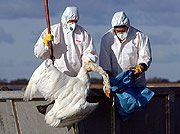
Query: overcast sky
[22, 21]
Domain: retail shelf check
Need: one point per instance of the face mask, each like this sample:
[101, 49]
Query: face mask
[71, 26]
[122, 36]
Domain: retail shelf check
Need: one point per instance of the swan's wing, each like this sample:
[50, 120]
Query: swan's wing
[32, 84]
[69, 116]
[53, 82]
[78, 115]
[66, 100]
[72, 108]
[47, 79]
[62, 115]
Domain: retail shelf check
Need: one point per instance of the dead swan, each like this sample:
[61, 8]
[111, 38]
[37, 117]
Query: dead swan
[68, 92]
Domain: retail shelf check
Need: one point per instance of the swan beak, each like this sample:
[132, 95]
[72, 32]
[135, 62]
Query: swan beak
[107, 95]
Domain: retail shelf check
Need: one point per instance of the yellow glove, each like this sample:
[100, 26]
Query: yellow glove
[139, 70]
[48, 38]
[88, 69]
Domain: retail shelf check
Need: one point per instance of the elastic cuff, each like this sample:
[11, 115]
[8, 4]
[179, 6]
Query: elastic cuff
[145, 66]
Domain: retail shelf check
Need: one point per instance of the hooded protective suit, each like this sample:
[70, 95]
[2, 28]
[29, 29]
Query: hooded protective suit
[71, 48]
[117, 57]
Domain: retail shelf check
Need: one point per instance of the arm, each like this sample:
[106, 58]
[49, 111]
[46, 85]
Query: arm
[89, 51]
[40, 49]
[104, 57]
[145, 55]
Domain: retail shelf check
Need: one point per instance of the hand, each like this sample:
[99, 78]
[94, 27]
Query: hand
[139, 70]
[88, 69]
[48, 38]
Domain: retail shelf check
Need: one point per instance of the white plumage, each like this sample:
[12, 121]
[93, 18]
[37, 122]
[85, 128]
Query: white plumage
[68, 92]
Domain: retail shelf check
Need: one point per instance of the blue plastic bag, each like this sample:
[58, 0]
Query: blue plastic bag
[128, 97]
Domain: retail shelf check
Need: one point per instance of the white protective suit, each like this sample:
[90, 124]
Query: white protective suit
[117, 57]
[71, 48]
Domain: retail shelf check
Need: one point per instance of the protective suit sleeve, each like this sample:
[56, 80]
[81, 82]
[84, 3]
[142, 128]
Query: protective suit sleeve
[145, 55]
[89, 51]
[104, 56]
[40, 49]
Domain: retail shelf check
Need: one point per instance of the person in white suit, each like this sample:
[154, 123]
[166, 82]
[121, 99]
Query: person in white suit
[72, 44]
[124, 47]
